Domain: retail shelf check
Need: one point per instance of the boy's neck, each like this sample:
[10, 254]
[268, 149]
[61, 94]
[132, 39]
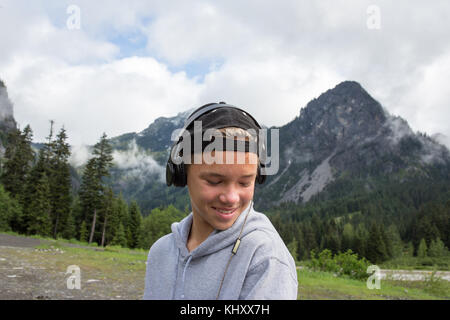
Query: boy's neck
[198, 233]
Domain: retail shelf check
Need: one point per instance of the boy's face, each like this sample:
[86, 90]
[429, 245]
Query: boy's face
[220, 192]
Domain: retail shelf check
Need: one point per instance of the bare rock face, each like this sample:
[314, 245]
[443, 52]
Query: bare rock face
[7, 121]
[6, 108]
[346, 133]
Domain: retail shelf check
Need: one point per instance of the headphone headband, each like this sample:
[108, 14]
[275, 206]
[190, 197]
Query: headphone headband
[209, 107]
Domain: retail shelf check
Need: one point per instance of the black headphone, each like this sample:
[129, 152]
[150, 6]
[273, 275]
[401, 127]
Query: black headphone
[176, 173]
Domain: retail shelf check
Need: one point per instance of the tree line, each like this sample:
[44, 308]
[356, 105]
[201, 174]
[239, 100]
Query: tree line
[398, 221]
[36, 196]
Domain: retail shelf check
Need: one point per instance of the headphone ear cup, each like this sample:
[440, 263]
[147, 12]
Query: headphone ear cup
[180, 179]
[170, 173]
[260, 178]
[175, 174]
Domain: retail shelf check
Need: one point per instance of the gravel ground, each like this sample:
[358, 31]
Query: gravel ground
[27, 273]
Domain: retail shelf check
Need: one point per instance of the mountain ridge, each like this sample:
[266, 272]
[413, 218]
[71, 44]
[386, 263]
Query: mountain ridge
[342, 133]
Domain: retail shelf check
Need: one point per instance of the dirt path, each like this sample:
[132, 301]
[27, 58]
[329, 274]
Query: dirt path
[410, 275]
[413, 275]
[7, 240]
[29, 273]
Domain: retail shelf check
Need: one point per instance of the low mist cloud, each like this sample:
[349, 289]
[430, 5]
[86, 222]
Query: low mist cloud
[138, 163]
[79, 156]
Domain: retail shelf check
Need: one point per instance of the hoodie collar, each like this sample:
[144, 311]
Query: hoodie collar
[217, 239]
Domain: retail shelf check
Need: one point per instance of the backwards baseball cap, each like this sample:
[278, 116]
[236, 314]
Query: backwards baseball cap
[221, 115]
[215, 116]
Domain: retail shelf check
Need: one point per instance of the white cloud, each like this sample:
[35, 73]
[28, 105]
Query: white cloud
[275, 56]
[272, 89]
[79, 155]
[117, 97]
[137, 164]
[427, 105]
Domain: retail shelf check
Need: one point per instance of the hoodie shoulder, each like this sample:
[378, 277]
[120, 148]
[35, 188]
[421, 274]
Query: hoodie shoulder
[162, 245]
[271, 272]
[267, 242]
[261, 230]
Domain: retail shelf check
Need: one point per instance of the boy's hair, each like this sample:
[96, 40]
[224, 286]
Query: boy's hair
[231, 133]
[237, 133]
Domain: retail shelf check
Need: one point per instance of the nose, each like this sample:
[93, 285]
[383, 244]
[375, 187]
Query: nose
[229, 196]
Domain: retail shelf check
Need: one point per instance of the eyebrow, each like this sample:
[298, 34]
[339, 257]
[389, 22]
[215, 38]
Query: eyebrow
[214, 174]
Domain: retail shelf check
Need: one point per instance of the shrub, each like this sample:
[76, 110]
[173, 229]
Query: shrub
[346, 263]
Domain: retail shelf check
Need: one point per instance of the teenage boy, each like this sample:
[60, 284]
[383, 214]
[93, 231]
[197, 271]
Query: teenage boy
[223, 249]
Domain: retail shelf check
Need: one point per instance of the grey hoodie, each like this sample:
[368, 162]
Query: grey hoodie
[262, 268]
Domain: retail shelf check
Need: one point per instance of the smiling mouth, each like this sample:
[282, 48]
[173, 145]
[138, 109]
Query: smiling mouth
[225, 211]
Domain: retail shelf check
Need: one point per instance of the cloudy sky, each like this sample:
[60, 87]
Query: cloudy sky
[114, 66]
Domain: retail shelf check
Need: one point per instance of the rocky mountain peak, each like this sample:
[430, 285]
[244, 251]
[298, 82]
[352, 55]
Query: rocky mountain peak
[7, 121]
[6, 107]
[343, 110]
[346, 132]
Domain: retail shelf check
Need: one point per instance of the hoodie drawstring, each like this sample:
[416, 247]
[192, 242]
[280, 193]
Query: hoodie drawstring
[176, 273]
[234, 250]
[184, 274]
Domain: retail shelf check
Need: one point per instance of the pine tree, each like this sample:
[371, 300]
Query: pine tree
[107, 212]
[387, 242]
[92, 190]
[395, 240]
[69, 231]
[293, 247]
[10, 209]
[90, 193]
[408, 250]
[31, 190]
[60, 183]
[113, 221]
[359, 245]
[135, 224]
[83, 232]
[119, 238]
[123, 212]
[310, 239]
[39, 214]
[348, 236]
[376, 248]
[76, 212]
[437, 249]
[18, 161]
[103, 153]
[422, 250]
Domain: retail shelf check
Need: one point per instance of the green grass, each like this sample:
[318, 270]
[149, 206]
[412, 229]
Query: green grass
[416, 263]
[111, 264]
[122, 264]
[325, 286]
[108, 260]
[128, 266]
